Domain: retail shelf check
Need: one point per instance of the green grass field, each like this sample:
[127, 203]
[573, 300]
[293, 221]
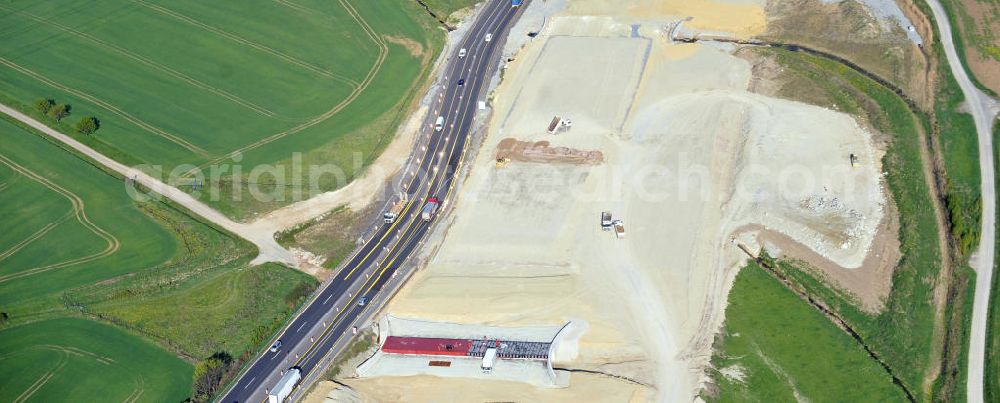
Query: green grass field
[70, 224]
[902, 334]
[78, 250]
[78, 359]
[230, 311]
[265, 78]
[785, 350]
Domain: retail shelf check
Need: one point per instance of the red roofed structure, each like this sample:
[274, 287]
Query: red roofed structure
[426, 346]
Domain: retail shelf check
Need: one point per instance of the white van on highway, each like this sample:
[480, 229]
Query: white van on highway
[461, 53]
[489, 37]
[439, 124]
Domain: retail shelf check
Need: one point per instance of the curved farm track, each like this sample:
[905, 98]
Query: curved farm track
[80, 214]
[383, 53]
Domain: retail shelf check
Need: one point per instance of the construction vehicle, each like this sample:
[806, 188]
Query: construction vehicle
[430, 208]
[559, 123]
[392, 214]
[502, 162]
[854, 160]
[605, 221]
[439, 124]
[285, 386]
[619, 228]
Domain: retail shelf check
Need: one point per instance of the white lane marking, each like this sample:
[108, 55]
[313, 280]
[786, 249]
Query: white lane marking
[301, 326]
[327, 299]
[250, 383]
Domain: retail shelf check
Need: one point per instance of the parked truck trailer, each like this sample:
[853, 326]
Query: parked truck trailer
[285, 386]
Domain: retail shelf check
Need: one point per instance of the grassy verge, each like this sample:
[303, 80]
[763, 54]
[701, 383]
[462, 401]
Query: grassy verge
[363, 342]
[231, 311]
[960, 22]
[991, 375]
[444, 8]
[957, 132]
[902, 333]
[778, 348]
[331, 237]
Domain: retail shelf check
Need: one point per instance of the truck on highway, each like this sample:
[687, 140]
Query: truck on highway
[439, 124]
[285, 386]
[430, 208]
[393, 212]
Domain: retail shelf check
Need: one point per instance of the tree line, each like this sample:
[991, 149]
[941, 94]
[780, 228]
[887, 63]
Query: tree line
[58, 112]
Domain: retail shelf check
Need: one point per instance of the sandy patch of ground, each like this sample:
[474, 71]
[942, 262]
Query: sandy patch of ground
[412, 46]
[740, 18]
[595, 388]
[311, 264]
[331, 392]
[868, 285]
[692, 158]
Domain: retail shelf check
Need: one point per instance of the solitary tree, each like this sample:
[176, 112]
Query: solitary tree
[42, 105]
[87, 125]
[59, 111]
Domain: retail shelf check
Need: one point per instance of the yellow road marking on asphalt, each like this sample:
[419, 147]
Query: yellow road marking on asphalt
[370, 282]
[356, 266]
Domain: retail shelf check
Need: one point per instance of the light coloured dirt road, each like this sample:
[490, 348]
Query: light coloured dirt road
[983, 110]
[268, 249]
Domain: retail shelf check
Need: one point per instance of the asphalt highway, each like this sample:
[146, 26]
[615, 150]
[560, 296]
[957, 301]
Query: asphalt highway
[327, 318]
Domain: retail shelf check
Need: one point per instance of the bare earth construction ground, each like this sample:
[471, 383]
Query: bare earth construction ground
[692, 161]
